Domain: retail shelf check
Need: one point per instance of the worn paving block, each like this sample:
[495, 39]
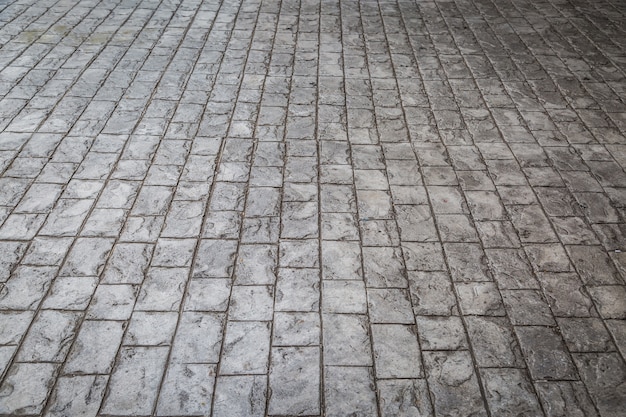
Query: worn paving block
[346, 340]
[78, 395]
[187, 390]
[453, 384]
[493, 342]
[246, 348]
[134, 384]
[26, 387]
[349, 390]
[404, 397]
[603, 374]
[240, 395]
[396, 351]
[545, 353]
[509, 392]
[294, 381]
[565, 398]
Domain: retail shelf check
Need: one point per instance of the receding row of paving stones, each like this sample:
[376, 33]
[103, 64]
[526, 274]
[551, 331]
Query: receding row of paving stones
[339, 208]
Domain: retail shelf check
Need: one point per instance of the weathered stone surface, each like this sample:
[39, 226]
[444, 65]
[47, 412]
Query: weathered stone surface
[453, 384]
[257, 208]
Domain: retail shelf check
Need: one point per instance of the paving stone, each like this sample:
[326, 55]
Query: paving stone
[467, 262]
[416, 224]
[565, 398]
[618, 330]
[239, 169]
[114, 302]
[186, 390]
[349, 390]
[142, 229]
[198, 338]
[531, 224]
[26, 288]
[509, 392]
[162, 290]
[341, 260]
[603, 374]
[49, 337]
[240, 395]
[423, 256]
[95, 347]
[345, 340]
[294, 380]
[296, 329]
[10, 254]
[566, 296]
[511, 269]
[78, 395]
[384, 267]
[299, 254]
[389, 305]
[134, 384]
[140, 332]
[26, 388]
[493, 342]
[404, 397]
[396, 351]
[453, 384]
[222, 225]
[215, 259]
[527, 307]
[585, 335]
[594, 265]
[246, 348]
[128, 263]
[545, 353]
[548, 258]
[66, 218]
[379, 232]
[479, 298]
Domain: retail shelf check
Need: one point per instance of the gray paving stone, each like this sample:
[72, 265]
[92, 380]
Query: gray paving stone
[49, 337]
[453, 384]
[95, 348]
[493, 342]
[77, 395]
[345, 339]
[26, 387]
[349, 390]
[134, 384]
[509, 392]
[566, 296]
[545, 353]
[240, 395]
[214, 259]
[479, 298]
[113, 302]
[246, 348]
[294, 381]
[396, 351]
[10, 255]
[603, 375]
[404, 397]
[186, 390]
[162, 289]
[565, 398]
[169, 169]
[26, 288]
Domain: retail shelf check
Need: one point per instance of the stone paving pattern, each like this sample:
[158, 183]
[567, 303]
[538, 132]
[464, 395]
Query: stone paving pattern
[314, 207]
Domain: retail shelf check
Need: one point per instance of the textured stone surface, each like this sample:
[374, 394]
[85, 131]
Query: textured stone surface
[312, 207]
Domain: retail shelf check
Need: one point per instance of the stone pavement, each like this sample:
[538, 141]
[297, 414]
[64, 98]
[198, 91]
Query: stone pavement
[314, 207]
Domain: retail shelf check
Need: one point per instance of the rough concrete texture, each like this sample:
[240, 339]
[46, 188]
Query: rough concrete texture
[313, 208]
